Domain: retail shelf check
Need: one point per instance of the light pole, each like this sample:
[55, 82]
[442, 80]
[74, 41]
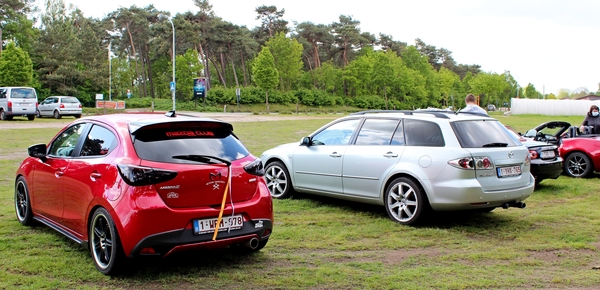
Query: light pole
[173, 83]
[109, 73]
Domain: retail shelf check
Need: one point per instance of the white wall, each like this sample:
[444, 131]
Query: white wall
[551, 107]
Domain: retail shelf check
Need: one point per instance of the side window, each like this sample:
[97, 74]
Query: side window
[376, 132]
[64, 144]
[100, 141]
[423, 133]
[2, 93]
[336, 134]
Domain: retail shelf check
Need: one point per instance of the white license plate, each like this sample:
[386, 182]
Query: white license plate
[509, 171]
[547, 154]
[227, 223]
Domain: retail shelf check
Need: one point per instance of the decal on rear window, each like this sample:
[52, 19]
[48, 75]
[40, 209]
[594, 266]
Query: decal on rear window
[190, 134]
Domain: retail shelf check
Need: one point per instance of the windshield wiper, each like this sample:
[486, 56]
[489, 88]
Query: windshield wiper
[495, 145]
[202, 158]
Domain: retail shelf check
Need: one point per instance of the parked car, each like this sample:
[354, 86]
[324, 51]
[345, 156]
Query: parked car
[18, 101]
[491, 107]
[407, 161]
[545, 160]
[58, 106]
[135, 185]
[578, 149]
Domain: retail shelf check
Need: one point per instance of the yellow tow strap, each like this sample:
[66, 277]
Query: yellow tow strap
[222, 204]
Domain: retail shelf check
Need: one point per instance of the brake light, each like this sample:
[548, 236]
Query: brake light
[533, 154]
[472, 163]
[80, 106]
[139, 176]
[9, 106]
[62, 106]
[255, 168]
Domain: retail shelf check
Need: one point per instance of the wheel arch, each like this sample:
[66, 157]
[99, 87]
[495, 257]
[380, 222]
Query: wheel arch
[285, 162]
[407, 175]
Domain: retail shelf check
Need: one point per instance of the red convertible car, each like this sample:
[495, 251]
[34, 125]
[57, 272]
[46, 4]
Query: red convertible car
[580, 150]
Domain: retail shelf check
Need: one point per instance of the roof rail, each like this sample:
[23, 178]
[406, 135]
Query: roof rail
[437, 113]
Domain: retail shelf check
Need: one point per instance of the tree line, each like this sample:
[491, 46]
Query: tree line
[131, 50]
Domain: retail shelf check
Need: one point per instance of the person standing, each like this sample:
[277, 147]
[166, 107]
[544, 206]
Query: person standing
[472, 106]
[592, 119]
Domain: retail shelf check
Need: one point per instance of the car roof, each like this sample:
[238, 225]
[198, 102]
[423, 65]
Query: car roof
[136, 121]
[426, 113]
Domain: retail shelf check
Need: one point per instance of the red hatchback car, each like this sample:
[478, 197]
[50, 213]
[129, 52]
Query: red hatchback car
[132, 185]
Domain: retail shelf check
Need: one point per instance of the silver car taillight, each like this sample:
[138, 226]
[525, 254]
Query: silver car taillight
[472, 163]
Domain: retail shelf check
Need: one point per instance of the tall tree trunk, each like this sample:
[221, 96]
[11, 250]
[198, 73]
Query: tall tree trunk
[244, 69]
[312, 72]
[205, 64]
[144, 76]
[237, 83]
[316, 55]
[137, 69]
[1, 41]
[221, 78]
[152, 92]
[222, 60]
[267, 100]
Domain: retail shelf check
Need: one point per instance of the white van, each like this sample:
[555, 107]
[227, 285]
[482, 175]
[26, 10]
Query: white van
[18, 101]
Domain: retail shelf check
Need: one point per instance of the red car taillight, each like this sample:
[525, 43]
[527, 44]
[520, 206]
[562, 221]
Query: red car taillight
[139, 176]
[62, 106]
[472, 163]
[9, 106]
[255, 168]
[533, 154]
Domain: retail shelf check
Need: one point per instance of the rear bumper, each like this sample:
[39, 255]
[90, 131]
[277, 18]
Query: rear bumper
[165, 244]
[546, 170]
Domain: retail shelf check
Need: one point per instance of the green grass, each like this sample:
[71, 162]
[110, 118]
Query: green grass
[320, 243]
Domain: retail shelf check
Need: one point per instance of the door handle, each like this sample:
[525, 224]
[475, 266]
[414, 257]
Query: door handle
[95, 175]
[390, 154]
[335, 154]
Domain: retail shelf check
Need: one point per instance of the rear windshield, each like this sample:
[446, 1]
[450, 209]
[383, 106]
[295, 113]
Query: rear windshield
[23, 93]
[483, 133]
[162, 144]
[70, 100]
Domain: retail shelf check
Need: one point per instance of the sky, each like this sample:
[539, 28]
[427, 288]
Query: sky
[552, 44]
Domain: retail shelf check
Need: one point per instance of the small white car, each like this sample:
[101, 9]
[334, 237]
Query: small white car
[58, 106]
[410, 162]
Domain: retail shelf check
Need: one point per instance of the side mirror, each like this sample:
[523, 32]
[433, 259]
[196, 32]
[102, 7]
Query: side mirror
[531, 133]
[305, 141]
[37, 151]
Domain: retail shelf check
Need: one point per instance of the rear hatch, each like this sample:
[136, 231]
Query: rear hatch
[510, 159]
[70, 104]
[202, 153]
[23, 100]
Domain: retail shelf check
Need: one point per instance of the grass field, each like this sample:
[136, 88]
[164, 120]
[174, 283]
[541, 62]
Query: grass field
[319, 243]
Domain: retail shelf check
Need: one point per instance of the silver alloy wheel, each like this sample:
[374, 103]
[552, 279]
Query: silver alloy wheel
[102, 240]
[402, 202]
[277, 180]
[578, 165]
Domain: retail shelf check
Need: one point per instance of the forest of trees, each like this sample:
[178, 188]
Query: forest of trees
[61, 52]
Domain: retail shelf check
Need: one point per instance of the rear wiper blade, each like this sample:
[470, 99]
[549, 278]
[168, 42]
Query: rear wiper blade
[202, 158]
[495, 145]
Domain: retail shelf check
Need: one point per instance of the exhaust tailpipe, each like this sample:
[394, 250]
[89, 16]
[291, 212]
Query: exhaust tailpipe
[251, 243]
[517, 204]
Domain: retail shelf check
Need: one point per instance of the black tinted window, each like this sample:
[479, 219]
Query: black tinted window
[100, 141]
[483, 133]
[422, 133]
[376, 132]
[161, 144]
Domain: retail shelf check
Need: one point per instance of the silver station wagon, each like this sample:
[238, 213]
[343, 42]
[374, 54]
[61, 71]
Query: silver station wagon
[411, 162]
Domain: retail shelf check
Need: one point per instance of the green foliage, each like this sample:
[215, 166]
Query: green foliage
[187, 67]
[16, 68]
[287, 54]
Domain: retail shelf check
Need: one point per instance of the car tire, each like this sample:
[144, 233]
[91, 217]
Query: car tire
[578, 164]
[77, 116]
[4, 116]
[30, 117]
[278, 180]
[57, 115]
[405, 201]
[22, 202]
[104, 243]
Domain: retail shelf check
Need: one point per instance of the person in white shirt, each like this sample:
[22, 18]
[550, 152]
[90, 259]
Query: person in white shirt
[472, 107]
